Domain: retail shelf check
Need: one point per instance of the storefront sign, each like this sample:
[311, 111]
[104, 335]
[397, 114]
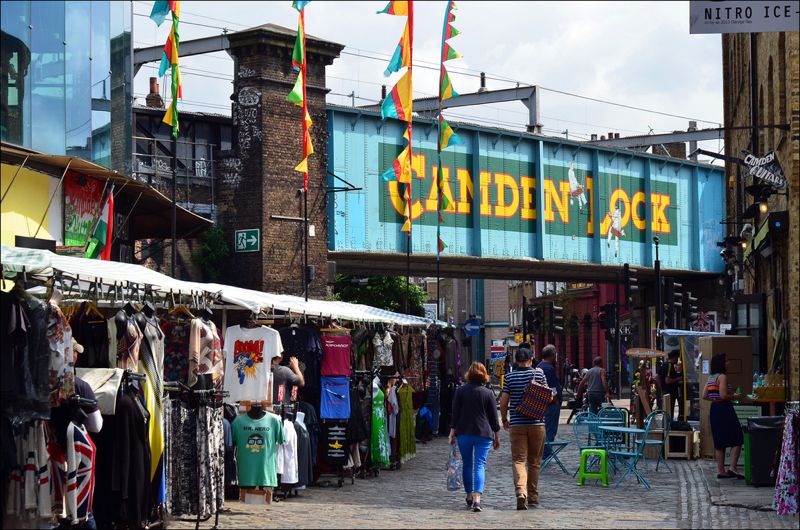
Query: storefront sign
[81, 207]
[743, 16]
[766, 169]
[248, 240]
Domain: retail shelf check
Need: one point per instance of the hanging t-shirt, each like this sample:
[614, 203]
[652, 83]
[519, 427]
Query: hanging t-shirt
[249, 352]
[62, 366]
[392, 410]
[80, 473]
[256, 443]
[335, 448]
[205, 352]
[287, 455]
[176, 347]
[304, 344]
[383, 349]
[337, 354]
[335, 398]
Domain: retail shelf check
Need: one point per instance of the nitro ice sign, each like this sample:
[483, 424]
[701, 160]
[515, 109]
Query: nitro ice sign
[766, 169]
[743, 16]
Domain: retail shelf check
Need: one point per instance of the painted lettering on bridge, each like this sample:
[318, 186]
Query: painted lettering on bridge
[507, 198]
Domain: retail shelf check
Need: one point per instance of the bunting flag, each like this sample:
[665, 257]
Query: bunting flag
[399, 103]
[169, 59]
[397, 7]
[299, 51]
[161, 9]
[402, 54]
[447, 135]
[298, 93]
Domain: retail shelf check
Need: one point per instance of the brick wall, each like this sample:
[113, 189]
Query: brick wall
[257, 181]
[777, 101]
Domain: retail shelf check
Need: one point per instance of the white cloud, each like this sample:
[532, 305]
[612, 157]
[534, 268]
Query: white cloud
[636, 53]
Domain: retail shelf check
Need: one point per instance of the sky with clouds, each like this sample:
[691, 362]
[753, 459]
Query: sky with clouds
[633, 53]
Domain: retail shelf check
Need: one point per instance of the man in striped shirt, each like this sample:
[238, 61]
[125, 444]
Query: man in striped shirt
[527, 434]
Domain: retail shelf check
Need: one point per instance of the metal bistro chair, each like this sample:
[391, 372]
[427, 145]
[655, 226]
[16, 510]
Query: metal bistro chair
[612, 416]
[630, 457]
[658, 421]
[584, 427]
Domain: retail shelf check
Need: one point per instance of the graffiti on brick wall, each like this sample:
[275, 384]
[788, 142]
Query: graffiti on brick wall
[245, 119]
[231, 171]
[245, 72]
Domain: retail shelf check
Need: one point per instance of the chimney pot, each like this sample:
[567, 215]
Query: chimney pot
[154, 85]
[611, 136]
[616, 135]
[483, 82]
[594, 137]
[602, 137]
[153, 99]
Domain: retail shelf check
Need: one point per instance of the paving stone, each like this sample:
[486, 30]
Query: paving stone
[415, 496]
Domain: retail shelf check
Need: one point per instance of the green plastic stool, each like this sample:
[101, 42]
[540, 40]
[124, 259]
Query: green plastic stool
[602, 474]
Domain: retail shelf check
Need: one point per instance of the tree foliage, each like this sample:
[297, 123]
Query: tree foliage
[384, 292]
[211, 255]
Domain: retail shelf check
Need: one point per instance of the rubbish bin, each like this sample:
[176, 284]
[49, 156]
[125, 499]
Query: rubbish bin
[765, 440]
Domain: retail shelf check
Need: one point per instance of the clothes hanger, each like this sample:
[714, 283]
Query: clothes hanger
[181, 309]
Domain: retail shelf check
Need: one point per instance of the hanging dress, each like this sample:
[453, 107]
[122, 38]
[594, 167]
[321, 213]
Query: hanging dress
[380, 441]
[408, 442]
[151, 362]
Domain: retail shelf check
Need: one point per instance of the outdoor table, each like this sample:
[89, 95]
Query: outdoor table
[555, 448]
[630, 433]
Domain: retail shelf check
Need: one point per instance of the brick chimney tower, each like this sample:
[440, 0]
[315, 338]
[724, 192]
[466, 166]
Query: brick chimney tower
[153, 99]
[258, 186]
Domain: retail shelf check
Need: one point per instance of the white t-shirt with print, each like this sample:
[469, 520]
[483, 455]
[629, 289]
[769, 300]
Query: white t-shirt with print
[248, 354]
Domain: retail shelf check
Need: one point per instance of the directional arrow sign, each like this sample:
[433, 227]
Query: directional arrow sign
[472, 327]
[248, 240]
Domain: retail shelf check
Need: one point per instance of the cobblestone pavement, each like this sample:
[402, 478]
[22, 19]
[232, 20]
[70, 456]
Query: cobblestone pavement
[415, 497]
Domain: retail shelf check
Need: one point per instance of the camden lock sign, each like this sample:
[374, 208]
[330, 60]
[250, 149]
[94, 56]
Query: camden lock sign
[766, 169]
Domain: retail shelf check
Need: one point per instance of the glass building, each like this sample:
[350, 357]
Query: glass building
[66, 78]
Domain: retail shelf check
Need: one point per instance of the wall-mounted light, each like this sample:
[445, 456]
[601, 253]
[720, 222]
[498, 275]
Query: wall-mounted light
[763, 207]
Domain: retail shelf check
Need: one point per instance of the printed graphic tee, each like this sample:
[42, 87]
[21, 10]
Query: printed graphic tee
[256, 442]
[337, 354]
[248, 353]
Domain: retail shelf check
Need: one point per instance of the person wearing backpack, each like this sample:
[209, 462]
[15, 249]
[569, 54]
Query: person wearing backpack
[527, 434]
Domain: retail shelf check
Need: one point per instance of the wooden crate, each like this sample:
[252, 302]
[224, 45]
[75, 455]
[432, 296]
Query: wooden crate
[681, 444]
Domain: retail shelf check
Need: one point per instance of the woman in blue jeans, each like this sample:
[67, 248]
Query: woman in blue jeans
[475, 426]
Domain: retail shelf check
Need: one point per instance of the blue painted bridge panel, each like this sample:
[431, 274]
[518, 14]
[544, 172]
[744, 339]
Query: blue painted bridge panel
[522, 196]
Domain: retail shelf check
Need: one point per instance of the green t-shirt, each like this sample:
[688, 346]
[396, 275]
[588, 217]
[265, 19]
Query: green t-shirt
[256, 447]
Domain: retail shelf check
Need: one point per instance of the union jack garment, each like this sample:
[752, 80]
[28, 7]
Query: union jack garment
[80, 473]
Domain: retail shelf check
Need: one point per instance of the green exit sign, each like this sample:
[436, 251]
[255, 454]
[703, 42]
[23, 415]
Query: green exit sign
[248, 240]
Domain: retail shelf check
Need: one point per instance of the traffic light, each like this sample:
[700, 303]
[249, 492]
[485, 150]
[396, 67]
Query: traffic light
[673, 302]
[536, 318]
[631, 283]
[689, 308]
[607, 316]
[556, 318]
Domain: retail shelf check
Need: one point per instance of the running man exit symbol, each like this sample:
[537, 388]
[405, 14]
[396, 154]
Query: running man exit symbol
[248, 240]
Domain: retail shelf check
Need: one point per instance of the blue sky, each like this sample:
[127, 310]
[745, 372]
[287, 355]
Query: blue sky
[635, 53]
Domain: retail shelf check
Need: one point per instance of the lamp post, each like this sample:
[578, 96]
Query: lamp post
[657, 267]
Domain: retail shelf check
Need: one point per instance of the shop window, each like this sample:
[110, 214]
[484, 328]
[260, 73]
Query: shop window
[748, 321]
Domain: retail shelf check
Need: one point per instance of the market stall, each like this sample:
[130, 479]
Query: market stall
[181, 376]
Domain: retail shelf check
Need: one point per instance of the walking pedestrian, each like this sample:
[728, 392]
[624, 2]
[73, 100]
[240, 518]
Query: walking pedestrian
[553, 412]
[475, 427]
[725, 427]
[526, 434]
[596, 386]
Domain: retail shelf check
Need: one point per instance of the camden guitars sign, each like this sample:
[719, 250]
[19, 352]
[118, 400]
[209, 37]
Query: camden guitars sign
[507, 198]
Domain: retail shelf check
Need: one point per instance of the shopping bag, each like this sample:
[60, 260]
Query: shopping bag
[534, 401]
[453, 471]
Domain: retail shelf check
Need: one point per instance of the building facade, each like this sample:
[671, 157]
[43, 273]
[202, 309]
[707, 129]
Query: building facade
[762, 116]
[66, 79]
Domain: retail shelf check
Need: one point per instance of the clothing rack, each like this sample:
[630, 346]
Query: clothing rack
[216, 399]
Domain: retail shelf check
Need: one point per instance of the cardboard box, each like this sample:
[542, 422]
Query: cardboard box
[739, 353]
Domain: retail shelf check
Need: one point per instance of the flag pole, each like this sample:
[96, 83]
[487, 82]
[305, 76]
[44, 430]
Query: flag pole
[410, 153]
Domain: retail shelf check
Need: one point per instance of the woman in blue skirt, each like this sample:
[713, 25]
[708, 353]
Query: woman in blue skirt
[725, 427]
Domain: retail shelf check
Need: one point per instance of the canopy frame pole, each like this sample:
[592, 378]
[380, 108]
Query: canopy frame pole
[14, 178]
[52, 196]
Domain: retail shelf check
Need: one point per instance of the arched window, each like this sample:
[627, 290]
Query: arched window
[783, 116]
[575, 340]
[772, 134]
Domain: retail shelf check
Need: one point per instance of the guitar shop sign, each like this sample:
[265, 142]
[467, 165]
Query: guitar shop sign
[766, 169]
